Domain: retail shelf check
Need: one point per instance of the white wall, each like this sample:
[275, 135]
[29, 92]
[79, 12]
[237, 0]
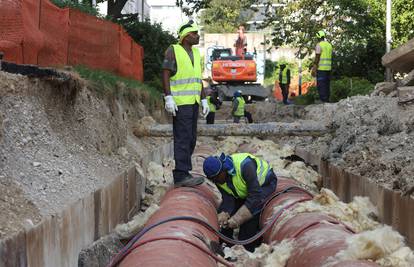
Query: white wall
[167, 13]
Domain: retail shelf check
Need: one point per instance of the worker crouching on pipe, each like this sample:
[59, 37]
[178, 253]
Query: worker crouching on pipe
[245, 182]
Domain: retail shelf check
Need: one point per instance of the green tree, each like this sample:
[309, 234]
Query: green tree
[225, 16]
[402, 21]
[354, 27]
[155, 41]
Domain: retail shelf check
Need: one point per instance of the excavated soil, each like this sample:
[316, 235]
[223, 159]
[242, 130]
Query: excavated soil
[60, 141]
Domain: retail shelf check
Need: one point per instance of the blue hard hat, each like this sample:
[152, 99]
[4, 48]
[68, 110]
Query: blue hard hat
[212, 166]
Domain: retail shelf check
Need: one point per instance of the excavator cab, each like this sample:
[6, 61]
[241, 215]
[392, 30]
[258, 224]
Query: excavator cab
[231, 73]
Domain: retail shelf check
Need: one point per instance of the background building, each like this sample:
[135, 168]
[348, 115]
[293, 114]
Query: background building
[167, 13]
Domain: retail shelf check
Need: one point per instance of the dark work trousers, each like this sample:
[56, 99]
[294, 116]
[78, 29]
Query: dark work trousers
[236, 119]
[251, 227]
[185, 137]
[323, 80]
[210, 117]
[285, 92]
[248, 116]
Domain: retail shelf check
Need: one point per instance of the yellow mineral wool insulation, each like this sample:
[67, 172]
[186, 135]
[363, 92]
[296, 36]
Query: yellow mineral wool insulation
[303, 174]
[157, 183]
[383, 245]
[128, 230]
[356, 214]
[231, 144]
[280, 254]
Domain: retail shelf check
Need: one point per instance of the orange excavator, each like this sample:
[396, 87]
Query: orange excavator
[231, 73]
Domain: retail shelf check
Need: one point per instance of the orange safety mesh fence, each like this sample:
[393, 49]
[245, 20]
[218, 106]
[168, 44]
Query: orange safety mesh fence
[38, 32]
[11, 30]
[54, 24]
[293, 89]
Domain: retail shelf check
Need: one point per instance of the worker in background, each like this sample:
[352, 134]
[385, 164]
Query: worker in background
[214, 104]
[241, 42]
[237, 106]
[245, 183]
[183, 89]
[322, 66]
[284, 82]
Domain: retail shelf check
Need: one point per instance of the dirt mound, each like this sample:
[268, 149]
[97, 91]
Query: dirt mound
[60, 141]
[371, 136]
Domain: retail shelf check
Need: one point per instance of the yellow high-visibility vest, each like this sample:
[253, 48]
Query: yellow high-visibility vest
[325, 61]
[211, 105]
[186, 85]
[240, 108]
[238, 182]
[284, 76]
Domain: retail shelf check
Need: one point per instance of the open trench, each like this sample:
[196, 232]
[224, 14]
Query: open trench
[303, 225]
[307, 223]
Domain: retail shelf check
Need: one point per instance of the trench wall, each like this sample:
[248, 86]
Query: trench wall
[394, 209]
[58, 239]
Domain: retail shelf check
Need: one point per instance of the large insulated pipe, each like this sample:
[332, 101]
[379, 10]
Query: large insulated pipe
[181, 242]
[187, 243]
[317, 236]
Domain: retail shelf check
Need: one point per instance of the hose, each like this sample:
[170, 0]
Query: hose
[127, 249]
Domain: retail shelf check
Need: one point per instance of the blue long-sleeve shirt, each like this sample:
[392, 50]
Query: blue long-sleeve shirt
[256, 194]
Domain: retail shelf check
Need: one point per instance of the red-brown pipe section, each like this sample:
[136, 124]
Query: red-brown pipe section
[317, 236]
[166, 244]
[186, 243]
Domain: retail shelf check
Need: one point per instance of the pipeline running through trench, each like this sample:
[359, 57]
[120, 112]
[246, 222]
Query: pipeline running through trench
[183, 241]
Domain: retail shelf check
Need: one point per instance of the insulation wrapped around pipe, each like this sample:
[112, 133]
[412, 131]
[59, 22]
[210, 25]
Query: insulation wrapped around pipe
[317, 236]
[178, 243]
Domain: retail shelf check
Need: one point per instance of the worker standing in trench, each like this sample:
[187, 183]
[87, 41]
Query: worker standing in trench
[245, 182]
[183, 89]
[284, 79]
[322, 66]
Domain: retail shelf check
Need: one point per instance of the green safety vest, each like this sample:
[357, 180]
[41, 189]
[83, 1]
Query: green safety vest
[211, 105]
[237, 180]
[240, 108]
[325, 61]
[284, 76]
[186, 85]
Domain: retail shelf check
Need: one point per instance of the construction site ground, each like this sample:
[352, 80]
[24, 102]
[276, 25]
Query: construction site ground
[59, 141]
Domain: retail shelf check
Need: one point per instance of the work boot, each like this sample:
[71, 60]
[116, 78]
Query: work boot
[189, 181]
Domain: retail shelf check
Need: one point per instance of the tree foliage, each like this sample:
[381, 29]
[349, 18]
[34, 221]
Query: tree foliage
[354, 27]
[155, 41]
[402, 21]
[225, 16]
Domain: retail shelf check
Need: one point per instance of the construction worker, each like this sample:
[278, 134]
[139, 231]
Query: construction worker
[213, 103]
[237, 106]
[284, 82]
[322, 66]
[245, 183]
[184, 91]
[241, 42]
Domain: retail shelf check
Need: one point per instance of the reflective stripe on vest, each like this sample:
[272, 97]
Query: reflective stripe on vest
[239, 184]
[240, 108]
[211, 105]
[186, 85]
[325, 61]
[284, 76]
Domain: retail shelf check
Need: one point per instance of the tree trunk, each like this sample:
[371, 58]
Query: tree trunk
[115, 7]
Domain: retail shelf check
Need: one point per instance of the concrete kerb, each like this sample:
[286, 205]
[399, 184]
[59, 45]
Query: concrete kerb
[394, 209]
[58, 239]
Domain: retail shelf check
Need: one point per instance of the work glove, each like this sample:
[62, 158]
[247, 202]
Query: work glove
[170, 105]
[223, 218]
[240, 217]
[206, 108]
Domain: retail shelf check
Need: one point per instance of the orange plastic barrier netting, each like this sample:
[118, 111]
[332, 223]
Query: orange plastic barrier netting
[38, 32]
[11, 30]
[293, 89]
